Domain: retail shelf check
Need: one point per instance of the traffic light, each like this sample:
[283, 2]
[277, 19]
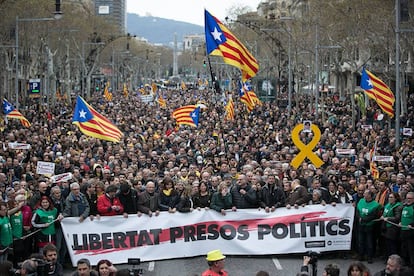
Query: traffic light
[404, 11]
[58, 11]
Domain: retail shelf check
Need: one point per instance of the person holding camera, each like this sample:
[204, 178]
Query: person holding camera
[311, 258]
[304, 269]
[50, 255]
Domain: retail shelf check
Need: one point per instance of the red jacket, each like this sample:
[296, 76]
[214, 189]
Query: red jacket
[105, 204]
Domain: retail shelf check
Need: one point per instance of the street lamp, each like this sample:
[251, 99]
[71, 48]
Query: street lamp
[8, 69]
[58, 15]
[317, 47]
[83, 83]
[289, 32]
[400, 15]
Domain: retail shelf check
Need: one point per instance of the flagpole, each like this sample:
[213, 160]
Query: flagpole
[211, 73]
[397, 74]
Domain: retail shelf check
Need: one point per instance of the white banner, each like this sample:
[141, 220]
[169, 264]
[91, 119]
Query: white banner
[45, 168]
[383, 158]
[366, 127]
[179, 235]
[18, 146]
[345, 151]
[407, 131]
[147, 98]
[61, 177]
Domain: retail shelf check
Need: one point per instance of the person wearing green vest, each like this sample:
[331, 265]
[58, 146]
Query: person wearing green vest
[6, 236]
[368, 210]
[390, 217]
[407, 230]
[44, 218]
[16, 221]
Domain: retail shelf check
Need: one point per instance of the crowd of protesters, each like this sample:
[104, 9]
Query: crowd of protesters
[220, 165]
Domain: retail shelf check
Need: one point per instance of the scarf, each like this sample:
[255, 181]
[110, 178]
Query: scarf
[167, 192]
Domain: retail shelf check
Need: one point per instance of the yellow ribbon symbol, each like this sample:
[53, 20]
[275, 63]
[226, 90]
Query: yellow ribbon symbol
[306, 150]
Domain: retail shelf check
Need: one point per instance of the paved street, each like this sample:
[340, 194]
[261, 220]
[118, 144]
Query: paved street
[237, 265]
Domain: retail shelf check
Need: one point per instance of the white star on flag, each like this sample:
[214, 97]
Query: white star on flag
[193, 115]
[8, 107]
[370, 83]
[82, 114]
[216, 34]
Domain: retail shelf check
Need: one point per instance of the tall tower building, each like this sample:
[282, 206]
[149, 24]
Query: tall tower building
[114, 11]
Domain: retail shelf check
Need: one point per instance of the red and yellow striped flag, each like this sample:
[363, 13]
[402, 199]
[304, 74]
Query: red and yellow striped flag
[107, 94]
[183, 86]
[11, 112]
[183, 115]
[372, 165]
[162, 102]
[154, 88]
[125, 90]
[221, 42]
[376, 89]
[230, 110]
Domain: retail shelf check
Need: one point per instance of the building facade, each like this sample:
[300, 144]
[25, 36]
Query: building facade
[114, 11]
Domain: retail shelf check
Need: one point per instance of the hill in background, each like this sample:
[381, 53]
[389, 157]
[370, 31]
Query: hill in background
[158, 30]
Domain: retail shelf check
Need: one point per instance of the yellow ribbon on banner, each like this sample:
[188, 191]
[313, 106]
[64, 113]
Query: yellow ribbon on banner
[306, 150]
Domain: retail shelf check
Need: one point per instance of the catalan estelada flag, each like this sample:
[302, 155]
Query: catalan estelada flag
[372, 165]
[93, 124]
[161, 101]
[245, 96]
[187, 115]
[221, 42]
[154, 88]
[376, 89]
[11, 112]
[230, 110]
[107, 94]
[183, 85]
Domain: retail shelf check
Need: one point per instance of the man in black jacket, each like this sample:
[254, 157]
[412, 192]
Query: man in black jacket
[272, 196]
[243, 195]
[128, 198]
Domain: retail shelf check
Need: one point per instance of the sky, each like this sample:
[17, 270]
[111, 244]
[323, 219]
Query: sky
[191, 11]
